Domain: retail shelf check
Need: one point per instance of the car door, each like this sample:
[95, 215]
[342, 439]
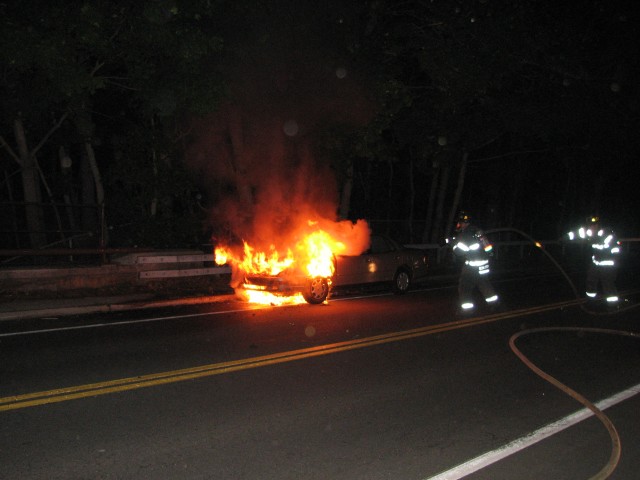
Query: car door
[382, 259]
[349, 270]
[375, 265]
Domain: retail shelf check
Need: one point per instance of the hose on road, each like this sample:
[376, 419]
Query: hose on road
[616, 447]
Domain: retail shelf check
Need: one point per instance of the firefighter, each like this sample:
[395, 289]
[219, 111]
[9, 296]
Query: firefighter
[602, 269]
[472, 247]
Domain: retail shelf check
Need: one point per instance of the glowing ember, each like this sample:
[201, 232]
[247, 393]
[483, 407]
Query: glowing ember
[311, 255]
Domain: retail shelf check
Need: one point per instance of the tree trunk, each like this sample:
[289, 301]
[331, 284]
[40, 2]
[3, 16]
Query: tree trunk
[389, 197]
[153, 208]
[14, 216]
[65, 165]
[85, 125]
[95, 171]
[31, 189]
[29, 170]
[436, 235]
[456, 198]
[412, 195]
[366, 187]
[568, 200]
[432, 201]
[236, 134]
[88, 195]
[52, 200]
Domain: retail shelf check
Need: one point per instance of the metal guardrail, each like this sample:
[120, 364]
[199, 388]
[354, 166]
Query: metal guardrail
[184, 272]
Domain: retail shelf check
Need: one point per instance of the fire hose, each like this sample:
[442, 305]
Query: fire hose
[560, 269]
[614, 457]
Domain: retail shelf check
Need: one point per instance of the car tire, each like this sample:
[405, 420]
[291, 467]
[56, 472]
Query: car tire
[317, 291]
[401, 281]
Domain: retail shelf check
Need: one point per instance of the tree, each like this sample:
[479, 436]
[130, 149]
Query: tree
[534, 77]
[60, 62]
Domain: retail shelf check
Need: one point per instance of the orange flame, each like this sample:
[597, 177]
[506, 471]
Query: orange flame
[251, 261]
[316, 251]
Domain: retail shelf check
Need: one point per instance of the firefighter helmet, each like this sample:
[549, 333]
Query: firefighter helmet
[464, 217]
[593, 220]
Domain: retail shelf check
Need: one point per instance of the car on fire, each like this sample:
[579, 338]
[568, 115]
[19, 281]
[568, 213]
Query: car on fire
[385, 262]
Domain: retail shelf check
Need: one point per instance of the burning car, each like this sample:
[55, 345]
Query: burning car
[384, 262]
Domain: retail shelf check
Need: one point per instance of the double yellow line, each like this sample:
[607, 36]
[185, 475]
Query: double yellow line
[142, 381]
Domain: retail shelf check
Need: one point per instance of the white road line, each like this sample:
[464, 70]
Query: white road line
[124, 322]
[166, 317]
[486, 459]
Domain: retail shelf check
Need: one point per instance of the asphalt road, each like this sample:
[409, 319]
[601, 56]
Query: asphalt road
[369, 386]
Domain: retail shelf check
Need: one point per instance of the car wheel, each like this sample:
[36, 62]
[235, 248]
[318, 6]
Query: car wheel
[317, 290]
[401, 282]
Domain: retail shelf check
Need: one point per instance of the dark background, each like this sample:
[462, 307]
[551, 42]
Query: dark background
[202, 113]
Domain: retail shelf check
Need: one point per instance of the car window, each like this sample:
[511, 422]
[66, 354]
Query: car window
[379, 245]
